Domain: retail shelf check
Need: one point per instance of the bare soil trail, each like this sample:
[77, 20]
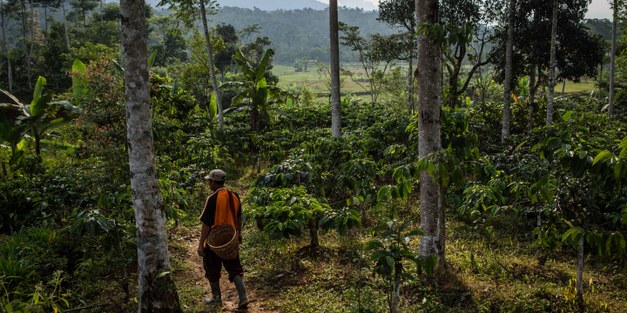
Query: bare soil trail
[196, 275]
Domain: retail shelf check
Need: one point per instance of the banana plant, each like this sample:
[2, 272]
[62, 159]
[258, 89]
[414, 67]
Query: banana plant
[42, 114]
[10, 132]
[254, 90]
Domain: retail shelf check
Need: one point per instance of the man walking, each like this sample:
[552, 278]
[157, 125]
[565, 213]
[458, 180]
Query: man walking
[222, 207]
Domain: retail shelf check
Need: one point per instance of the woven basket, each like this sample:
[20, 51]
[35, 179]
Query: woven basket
[223, 241]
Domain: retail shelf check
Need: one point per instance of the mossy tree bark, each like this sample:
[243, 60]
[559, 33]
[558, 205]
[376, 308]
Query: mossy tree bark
[429, 76]
[157, 292]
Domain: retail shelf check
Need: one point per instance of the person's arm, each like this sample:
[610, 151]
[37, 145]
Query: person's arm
[204, 231]
[206, 219]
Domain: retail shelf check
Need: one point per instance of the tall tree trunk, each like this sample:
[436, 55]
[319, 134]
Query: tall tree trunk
[552, 64]
[410, 83]
[34, 28]
[25, 32]
[157, 292]
[212, 73]
[507, 82]
[45, 19]
[532, 97]
[336, 113]
[610, 107]
[580, 262]
[5, 48]
[65, 30]
[429, 77]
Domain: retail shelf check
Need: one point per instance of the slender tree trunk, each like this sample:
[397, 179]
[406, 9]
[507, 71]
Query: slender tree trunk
[212, 73]
[552, 64]
[157, 292]
[5, 48]
[580, 263]
[37, 142]
[396, 289]
[33, 27]
[410, 83]
[45, 20]
[25, 31]
[532, 97]
[65, 30]
[429, 77]
[610, 107]
[452, 85]
[313, 234]
[255, 119]
[507, 82]
[10, 73]
[336, 113]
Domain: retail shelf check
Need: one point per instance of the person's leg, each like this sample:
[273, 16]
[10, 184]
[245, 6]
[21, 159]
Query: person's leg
[213, 266]
[236, 274]
[241, 291]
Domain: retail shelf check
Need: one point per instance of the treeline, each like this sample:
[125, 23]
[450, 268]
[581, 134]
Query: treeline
[42, 38]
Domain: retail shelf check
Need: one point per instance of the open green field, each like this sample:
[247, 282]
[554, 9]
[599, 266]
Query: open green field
[311, 78]
[318, 82]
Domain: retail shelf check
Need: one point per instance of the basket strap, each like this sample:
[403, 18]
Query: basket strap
[204, 240]
[232, 207]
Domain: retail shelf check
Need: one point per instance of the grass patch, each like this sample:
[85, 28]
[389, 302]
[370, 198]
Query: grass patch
[500, 271]
[506, 276]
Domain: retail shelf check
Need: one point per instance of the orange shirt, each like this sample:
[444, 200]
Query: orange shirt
[225, 214]
[222, 207]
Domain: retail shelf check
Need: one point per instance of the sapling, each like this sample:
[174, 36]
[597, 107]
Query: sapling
[390, 251]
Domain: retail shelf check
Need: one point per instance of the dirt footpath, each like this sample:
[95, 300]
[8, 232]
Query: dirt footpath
[229, 293]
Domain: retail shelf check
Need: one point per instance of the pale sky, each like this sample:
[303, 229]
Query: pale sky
[597, 9]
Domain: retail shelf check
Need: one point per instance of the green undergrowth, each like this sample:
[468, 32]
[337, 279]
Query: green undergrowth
[497, 272]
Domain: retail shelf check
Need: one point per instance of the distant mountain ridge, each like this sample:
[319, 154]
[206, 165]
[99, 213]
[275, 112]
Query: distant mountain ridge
[273, 5]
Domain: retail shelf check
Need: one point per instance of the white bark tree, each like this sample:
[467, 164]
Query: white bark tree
[5, 46]
[429, 76]
[532, 97]
[66, 36]
[157, 292]
[212, 72]
[552, 65]
[336, 113]
[615, 9]
[580, 264]
[507, 81]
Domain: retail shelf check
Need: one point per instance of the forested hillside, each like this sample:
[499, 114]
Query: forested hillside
[275, 5]
[301, 33]
[452, 167]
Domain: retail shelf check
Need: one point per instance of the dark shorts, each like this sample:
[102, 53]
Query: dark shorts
[213, 266]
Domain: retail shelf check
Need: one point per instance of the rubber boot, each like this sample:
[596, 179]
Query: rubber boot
[241, 291]
[215, 293]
